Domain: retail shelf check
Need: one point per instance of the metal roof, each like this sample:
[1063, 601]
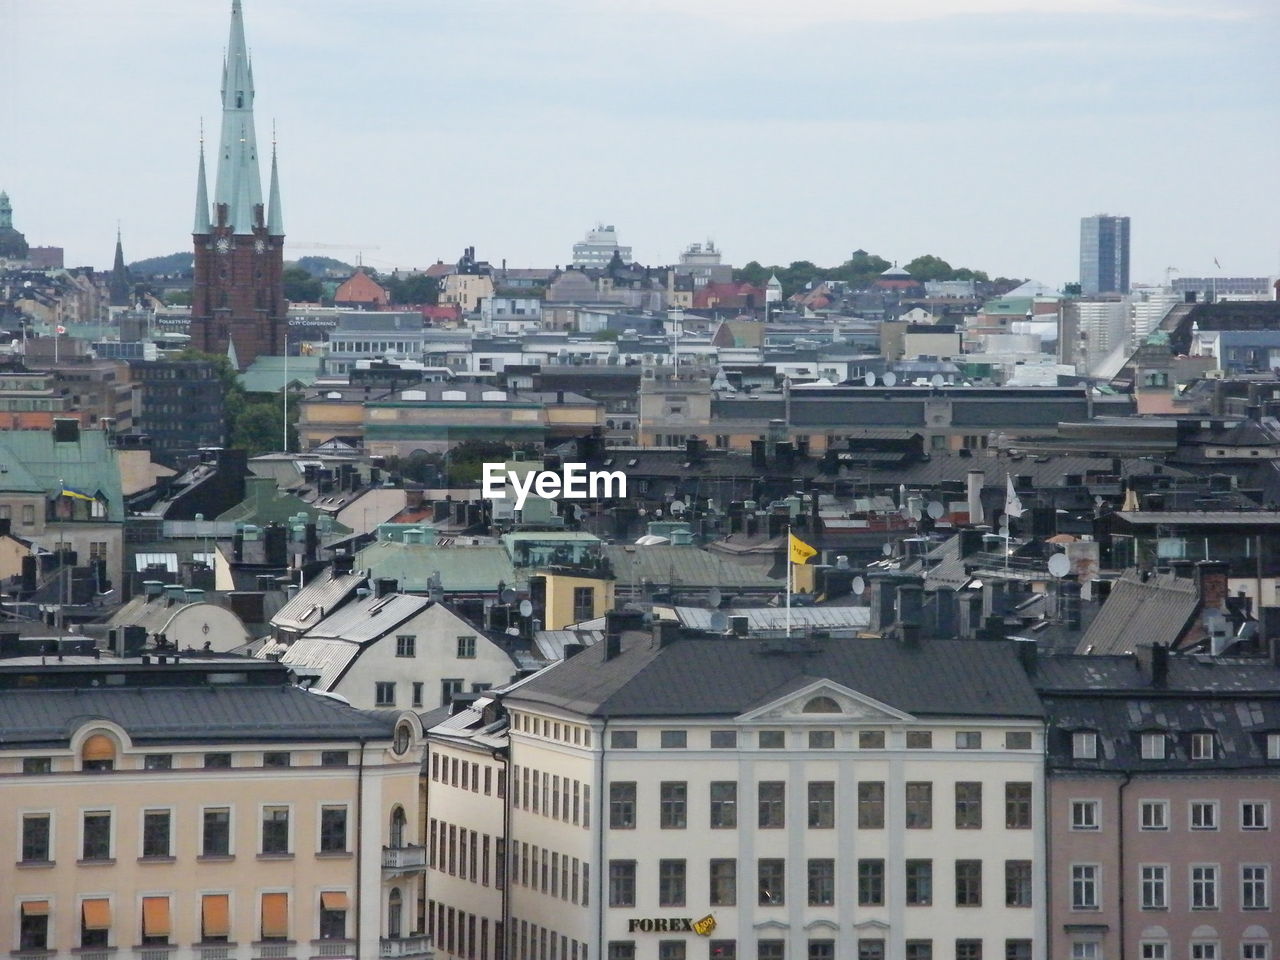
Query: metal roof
[1207, 518]
[1142, 612]
[776, 618]
[686, 566]
[324, 594]
[323, 658]
[369, 618]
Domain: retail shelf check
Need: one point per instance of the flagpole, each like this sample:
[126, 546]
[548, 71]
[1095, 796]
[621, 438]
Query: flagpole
[789, 565]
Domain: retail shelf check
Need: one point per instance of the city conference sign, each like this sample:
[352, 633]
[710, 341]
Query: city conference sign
[575, 482]
[703, 928]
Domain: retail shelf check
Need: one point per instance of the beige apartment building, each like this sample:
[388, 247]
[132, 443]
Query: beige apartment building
[203, 809]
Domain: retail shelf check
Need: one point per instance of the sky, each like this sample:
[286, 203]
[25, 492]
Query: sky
[980, 131]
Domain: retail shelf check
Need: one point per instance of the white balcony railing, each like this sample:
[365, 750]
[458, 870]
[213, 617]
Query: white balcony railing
[333, 948]
[153, 952]
[411, 857]
[216, 951]
[394, 948]
[273, 951]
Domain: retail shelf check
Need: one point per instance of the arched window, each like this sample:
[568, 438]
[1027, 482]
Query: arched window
[98, 753]
[398, 823]
[393, 913]
[822, 705]
[404, 736]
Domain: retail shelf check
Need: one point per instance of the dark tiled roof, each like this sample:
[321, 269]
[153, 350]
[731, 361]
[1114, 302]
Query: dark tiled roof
[187, 715]
[1141, 613]
[1097, 674]
[727, 677]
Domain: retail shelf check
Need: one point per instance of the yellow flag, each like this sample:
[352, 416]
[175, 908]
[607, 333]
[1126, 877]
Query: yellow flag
[800, 551]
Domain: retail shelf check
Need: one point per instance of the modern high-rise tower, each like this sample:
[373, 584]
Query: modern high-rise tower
[1104, 255]
[237, 303]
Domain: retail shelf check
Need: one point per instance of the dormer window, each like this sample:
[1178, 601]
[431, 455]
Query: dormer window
[1202, 746]
[98, 753]
[1153, 746]
[1273, 746]
[1084, 745]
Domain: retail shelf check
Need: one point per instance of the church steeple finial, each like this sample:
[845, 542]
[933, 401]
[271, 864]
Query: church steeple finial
[275, 215]
[201, 225]
[238, 186]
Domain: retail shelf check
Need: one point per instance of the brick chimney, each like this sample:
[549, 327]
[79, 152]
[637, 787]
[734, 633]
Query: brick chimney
[1212, 577]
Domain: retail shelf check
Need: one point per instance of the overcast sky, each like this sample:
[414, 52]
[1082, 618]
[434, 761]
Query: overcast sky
[977, 130]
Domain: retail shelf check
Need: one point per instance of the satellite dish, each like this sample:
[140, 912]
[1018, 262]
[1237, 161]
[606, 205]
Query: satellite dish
[937, 380]
[714, 597]
[890, 379]
[869, 379]
[719, 622]
[526, 608]
[936, 510]
[887, 549]
[859, 586]
[1059, 565]
[507, 596]
[677, 506]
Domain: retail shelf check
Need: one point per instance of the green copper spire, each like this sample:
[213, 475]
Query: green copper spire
[238, 186]
[6, 211]
[201, 225]
[275, 215]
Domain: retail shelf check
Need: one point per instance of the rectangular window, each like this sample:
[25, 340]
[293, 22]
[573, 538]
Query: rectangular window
[1153, 745]
[1017, 950]
[275, 916]
[1017, 740]
[335, 758]
[32, 766]
[450, 687]
[673, 739]
[158, 761]
[822, 882]
[871, 805]
[333, 916]
[1154, 814]
[968, 739]
[1257, 950]
[1202, 746]
[919, 950]
[384, 693]
[773, 740]
[156, 833]
[968, 950]
[622, 883]
[155, 920]
[34, 925]
[724, 739]
[919, 806]
[1253, 815]
[95, 922]
[1154, 880]
[673, 805]
[618, 950]
[1204, 815]
[968, 805]
[719, 950]
[333, 829]
[919, 883]
[466, 648]
[822, 950]
[35, 837]
[622, 805]
[97, 836]
[1204, 950]
[1254, 887]
[870, 739]
[968, 883]
[275, 830]
[1154, 950]
[870, 948]
[671, 883]
[1017, 883]
[919, 739]
[724, 804]
[822, 740]
[871, 883]
[1017, 806]
[215, 838]
[1084, 815]
[667, 950]
[276, 758]
[772, 877]
[1084, 745]
[822, 805]
[217, 761]
[724, 883]
[1084, 886]
[622, 739]
[406, 645]
[772, 804]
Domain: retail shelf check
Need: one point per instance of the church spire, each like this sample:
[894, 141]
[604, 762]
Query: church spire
[238, 187]
[201, 225]
[118, 286]
[275, 215]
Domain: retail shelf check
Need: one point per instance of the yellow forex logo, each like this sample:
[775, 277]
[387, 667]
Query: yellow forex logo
[705, 927]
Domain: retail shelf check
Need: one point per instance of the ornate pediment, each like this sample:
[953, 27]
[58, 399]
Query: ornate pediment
[825, 701]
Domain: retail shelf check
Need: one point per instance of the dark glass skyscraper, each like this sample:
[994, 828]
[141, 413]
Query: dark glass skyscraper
[1104, 254]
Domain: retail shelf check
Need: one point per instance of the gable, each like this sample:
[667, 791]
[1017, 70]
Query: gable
[852, 707]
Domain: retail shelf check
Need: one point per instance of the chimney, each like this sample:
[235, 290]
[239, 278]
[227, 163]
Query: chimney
[970, 541]
[1028, 655]
[1069, 592]
[758, 459]
[1212, 575]
[973, 490]
[910, 604]
[613, 625]
[666, 632]
[385, 586]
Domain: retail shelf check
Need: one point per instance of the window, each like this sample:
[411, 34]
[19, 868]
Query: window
[671, 883]
[870, 739]
[1154, 815]
[822, 739]
[1254, 893]
[870, 949]
[723, 950]
[771, 875]
[155, 920]
[919, 950]
[968, 883]
[673, 803]
[1017, 950]
[467, 647]
[919, 806]
[622, 739]
[1202, 746]
[1017, 806]
[384, 693]
[450, 687]
[968, 950]
[35, 837]
[1204, 815]
[1084, 814]
[1084, 886]
[158, 761]
[871, 805]
[96, 843]
[217, 761]
[156, 833]
[1154, 950]
[407, 645]
[724, 804]
[1084, 745]
[333, 829]
[417, 693]
[667, 949]
[968, 739]
[1017, 740]
[1155, 886]
[216, 836]
[1253, 815]
[36, 765]
[724, 739]
[584, 603]
[1017, 883]
[1252, 951]
[673, 739]
[334, 758]
[968, 805]
[822, 950]
[622, 805]
[1153, 745]
[822, 805]
[333, 915]
[870, 883]
[275, 916]
[618, 949]
[98, 753]
[724, 883]
[275, 830]
[34, 926]
[919, 739]
[622, 883]
[1273, 746]
[919, 883]
[1204, 950]
[276, 758]
[772, 804]
[95, 922]
[1204, 887]
[773, 740]
[822, 882]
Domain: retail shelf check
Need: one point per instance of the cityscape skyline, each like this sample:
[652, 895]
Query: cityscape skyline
[971, 199]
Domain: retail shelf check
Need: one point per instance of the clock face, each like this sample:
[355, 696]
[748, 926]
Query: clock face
[260, 246]
[222, 245]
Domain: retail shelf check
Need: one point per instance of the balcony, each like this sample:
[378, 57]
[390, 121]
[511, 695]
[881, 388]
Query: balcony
[215, 951]
[273, 950]
[406, 859]
[392, 948]
[153, 952]
[332, 948]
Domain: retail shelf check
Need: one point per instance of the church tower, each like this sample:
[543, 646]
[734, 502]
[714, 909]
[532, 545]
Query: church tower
[237, 303]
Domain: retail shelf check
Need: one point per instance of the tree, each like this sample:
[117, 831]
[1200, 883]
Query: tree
[178, 298]
[928, 267]
[300, 286]
[252, 423]
[416, 288]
